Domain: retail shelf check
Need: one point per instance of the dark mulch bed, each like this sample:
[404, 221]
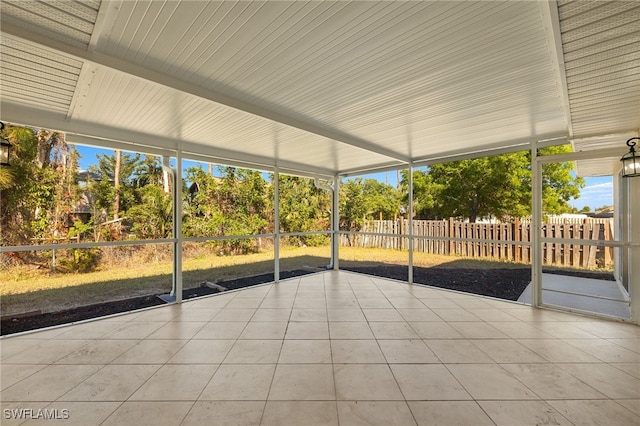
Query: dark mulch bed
[504, 283]
[501, 283]
[20, 323]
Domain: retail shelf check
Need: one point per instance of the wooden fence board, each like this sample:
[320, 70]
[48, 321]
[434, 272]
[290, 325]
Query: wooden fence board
[562, 254]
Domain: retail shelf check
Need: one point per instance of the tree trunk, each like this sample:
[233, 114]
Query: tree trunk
[45, 146]
[474, 211]
[116, 183]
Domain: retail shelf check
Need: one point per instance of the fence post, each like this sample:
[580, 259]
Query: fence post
[517, 232]
[575, 247]
[607, 237]
[450, 235]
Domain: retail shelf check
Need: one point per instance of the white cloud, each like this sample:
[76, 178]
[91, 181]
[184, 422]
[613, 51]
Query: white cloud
[594, 196]
[599, 189]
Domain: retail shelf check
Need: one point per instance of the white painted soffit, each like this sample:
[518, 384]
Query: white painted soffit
[601, 43]
[605, 164]
[325, 86]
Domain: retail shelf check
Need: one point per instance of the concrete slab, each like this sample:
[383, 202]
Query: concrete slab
[551, 283]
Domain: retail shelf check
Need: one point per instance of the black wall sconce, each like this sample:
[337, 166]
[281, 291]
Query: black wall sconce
[5, 149]
[631, 160]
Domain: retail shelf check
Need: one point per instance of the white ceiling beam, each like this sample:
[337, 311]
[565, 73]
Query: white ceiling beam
[378, 168]
[584, 155]
[465, 154]
[624, 134]
[94, 133]
[126, 146]
[123, 146]
[250, 161]
[494, 149]
[551, 22]
[7, 27]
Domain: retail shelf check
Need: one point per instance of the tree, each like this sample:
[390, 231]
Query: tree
[232, 204]
[488, 186]
[303, 208]
[116, 184]
[559, 183]
[148, 172]
[113, 191]
[38, 192]
[497, 186]
[367, 199]
[152, 216]
[425, 192]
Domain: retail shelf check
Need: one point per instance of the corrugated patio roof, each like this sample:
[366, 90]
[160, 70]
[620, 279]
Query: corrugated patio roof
[323, 87]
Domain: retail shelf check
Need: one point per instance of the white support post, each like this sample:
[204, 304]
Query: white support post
[335, 224]
[169, 179]
[410, 221]
[177, 229]
[536, 223]
[276, 225]
[633, 195]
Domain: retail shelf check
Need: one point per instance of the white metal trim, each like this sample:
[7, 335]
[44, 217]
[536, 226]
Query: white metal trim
[551, 22]
[536, 225]
[410, 213]
[435, 238]
[225, 237]
[276, 225]
[583, 155]
[599, 243]
[604, 135]
[585, 313]
[335, 224]
[495, 149]
[29, 116]
[177, 227]
[111, 144]
[573, 293]
[40, 247]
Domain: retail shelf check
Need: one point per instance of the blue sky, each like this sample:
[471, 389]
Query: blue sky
[598, 191]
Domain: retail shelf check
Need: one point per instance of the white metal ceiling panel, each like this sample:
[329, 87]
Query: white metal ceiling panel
[71, 22]
[34, 76]
[601, 43]
[324, 86]
[152, 109]
[413, 77]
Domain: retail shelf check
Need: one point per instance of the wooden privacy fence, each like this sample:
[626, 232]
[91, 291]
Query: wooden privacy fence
[442, 238]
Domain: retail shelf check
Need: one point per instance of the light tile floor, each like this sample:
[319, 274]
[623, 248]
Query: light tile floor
[333, 348]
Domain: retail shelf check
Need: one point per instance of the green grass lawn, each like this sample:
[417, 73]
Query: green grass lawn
[23, 291]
